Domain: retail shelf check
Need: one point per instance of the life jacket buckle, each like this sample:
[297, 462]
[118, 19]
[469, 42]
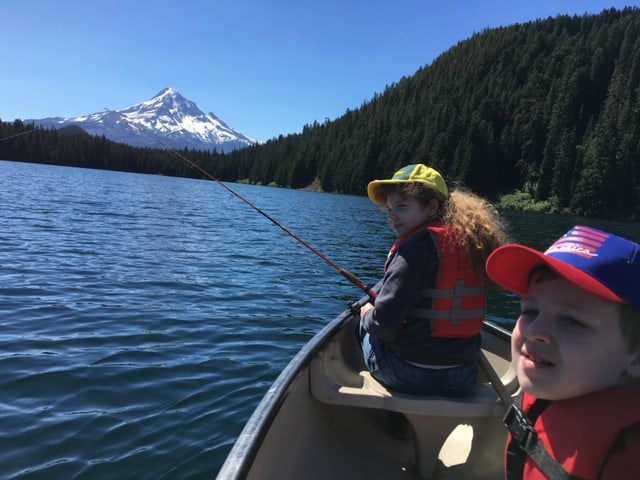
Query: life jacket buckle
[520, 427]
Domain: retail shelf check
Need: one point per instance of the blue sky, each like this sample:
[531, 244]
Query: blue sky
[265, 67]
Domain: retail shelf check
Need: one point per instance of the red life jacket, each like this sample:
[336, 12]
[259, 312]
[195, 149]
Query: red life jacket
[579, 432]
[459, 296]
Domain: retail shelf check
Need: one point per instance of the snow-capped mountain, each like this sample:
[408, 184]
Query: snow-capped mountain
[167, 119]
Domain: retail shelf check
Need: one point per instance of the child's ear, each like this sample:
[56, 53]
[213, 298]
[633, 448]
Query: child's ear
[433, 206]
[633, 370]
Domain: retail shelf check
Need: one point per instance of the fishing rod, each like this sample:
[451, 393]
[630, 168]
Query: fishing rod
[342, 271]
[17, 134]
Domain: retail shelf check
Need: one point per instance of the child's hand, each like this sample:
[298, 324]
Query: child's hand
[365, 308]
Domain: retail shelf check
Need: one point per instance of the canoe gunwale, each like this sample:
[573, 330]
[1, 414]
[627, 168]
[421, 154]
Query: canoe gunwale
[240, 458]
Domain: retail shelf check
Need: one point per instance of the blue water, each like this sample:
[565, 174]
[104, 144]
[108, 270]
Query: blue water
[143, 317]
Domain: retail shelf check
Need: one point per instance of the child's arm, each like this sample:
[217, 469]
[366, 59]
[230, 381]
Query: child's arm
[623, 460]
[401, 287]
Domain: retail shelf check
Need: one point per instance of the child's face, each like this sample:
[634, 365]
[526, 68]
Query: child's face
[567, 342]
[405, 214]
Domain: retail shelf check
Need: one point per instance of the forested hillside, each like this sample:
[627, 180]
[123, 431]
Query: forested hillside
[549, 109]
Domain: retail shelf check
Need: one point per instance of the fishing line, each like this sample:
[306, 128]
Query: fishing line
[345, 273]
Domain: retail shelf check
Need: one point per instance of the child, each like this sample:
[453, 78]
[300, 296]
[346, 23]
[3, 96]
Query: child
[576, 350]
[422, 336]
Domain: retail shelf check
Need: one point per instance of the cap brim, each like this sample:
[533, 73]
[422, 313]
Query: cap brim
[373, 190]
[510, 267]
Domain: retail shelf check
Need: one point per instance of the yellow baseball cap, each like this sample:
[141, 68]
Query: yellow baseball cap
[418, 172]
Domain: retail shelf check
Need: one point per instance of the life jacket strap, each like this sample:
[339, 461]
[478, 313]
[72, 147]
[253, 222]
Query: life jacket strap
[459, 291]
[456, 313]
[454, 316]
[525, 436]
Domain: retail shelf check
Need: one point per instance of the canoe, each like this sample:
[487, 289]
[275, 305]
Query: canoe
[325, 417]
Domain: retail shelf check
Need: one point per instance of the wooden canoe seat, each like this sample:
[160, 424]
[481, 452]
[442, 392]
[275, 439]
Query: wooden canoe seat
[339, 380]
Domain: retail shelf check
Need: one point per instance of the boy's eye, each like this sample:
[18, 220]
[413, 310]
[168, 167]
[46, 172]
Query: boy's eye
[528, 313]
[571, 321]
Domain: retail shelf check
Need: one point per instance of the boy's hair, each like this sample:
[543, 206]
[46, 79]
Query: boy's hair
[628, 319]
[630, 326]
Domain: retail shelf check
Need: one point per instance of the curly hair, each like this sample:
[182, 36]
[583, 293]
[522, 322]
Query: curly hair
[478, 227]
[481, 228]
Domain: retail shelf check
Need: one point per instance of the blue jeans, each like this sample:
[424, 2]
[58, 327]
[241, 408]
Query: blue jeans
[396, 374]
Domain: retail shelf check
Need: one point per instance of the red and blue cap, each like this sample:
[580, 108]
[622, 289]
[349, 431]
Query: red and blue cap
[596, 261]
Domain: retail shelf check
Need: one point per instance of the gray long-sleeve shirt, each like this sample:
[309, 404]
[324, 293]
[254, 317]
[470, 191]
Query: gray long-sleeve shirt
[413, 267]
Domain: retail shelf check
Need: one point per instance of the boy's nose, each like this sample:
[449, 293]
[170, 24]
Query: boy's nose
[536, 330]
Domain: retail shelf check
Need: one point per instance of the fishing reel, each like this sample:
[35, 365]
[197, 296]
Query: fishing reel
[354, 308]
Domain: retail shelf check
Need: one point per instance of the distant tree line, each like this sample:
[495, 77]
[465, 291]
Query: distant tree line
[549, 108]
[72, 146]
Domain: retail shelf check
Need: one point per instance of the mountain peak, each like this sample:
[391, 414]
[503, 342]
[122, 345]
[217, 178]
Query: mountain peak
[167, 91]
[168, 95]
[171, 117]
[167, 103]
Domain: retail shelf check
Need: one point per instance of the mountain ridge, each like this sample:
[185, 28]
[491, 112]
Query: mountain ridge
[168, 118]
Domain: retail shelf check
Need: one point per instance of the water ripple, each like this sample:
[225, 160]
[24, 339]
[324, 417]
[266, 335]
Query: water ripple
[143, 317]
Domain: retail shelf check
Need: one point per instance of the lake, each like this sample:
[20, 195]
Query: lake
[143, 317]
